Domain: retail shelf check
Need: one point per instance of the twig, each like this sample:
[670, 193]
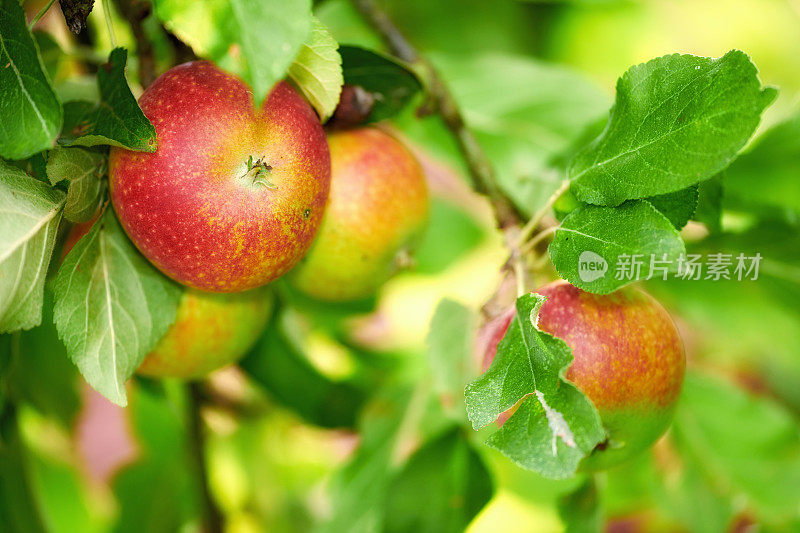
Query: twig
[480, 169]
[135, 12]
[212, 519]
[109, 25]
[42, 12]
[534, 221]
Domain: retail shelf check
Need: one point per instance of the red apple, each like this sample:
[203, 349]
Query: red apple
[233, 196]
[376, 212]
[628, 360]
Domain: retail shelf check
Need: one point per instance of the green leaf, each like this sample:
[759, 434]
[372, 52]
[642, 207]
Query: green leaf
[112, 307]
[766, 175]
[677, 120]
[678, 206]
[317, 70]
[746, 444]
[42, 374]
[30, 212]
[256, 39]
[117, 120]
[49, 51]
[390, 82]
[598, 248]
[456, 485]
[30, 113]
[555, 426]
[278, 366]
[709, 203]
[84, 170]
[580, 510]
[450, 352]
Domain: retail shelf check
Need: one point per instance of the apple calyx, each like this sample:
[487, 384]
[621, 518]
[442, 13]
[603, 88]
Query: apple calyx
[260, 171]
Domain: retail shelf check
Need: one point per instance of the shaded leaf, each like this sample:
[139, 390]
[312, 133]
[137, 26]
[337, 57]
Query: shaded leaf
[555, 425]
[391, 84]
[117, 120]
[317, 70]
[677, 120]
[456, 484]
[709, 203]
[598, 248]
[83, 169]
[30, 113]
[678, 206]
[30, 212]
[580, 510]
[112, 307]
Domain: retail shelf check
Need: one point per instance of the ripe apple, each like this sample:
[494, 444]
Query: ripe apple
[210, 330]
[628, 360]
[377, 209]
[233, 196]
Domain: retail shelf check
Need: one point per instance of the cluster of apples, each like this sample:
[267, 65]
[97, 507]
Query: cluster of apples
[235, 197]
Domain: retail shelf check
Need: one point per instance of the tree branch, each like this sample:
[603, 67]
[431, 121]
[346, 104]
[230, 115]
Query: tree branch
[212, 519]
[480, 169]
[135, 11]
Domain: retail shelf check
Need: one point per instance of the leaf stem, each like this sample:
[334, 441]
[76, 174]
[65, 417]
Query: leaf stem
[109, 25]
[530, 226]
[539, 237]
[480, 168]
[212, 519]
[42, 12]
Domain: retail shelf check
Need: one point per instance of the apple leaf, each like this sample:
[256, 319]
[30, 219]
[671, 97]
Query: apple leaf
[765, 177]
[111, 307]
[555, 425]
[677, 120]
[390, 82]
[457, 486]
[748, 445]
[709, 203]
[678, 206]
[30, 212]
[600, 249]
[450, 353]
[83, 170]
[116, 120]
[256, 39]
[30, 112]
[317, 70]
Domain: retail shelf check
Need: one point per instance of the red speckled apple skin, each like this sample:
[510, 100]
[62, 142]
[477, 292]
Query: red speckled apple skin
[193, 209]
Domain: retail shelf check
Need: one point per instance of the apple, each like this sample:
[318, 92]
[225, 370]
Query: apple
[377, 209]
[234, 195]
[629, 361]
[210, 331]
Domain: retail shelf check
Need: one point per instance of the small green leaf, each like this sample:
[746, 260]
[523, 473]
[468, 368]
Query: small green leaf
[555, 426]
[256, 39]
[600, 249]
[30, 113]
[117, 120]
[30, 212]
[83, 169]
[677, 120]
[457, 486]
[391, 83]
[112, 307]
[678, 206]
[317, 70]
